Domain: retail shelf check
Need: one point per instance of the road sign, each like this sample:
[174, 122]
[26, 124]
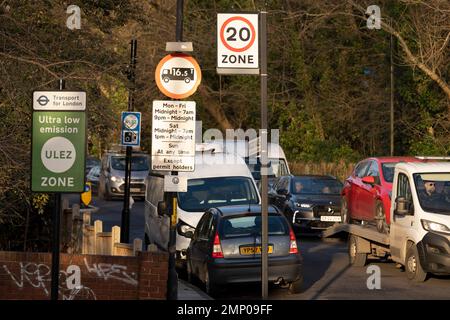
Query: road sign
[131, 128]
[237, 43]
[59, 100]
[86, 196]
[178, 75]
[175, 184]
[173, 136]
[58, 151]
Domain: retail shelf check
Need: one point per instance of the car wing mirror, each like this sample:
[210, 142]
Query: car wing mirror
[369, 180]
[283, 192]
[403, 206]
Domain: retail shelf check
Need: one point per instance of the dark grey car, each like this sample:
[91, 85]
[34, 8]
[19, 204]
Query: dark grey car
[308, 201]
[226, 248]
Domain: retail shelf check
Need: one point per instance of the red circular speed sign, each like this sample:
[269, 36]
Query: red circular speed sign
[252, 35]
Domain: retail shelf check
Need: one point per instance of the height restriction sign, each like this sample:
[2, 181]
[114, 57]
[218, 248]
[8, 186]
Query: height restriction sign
[178, 75]
[237, 43]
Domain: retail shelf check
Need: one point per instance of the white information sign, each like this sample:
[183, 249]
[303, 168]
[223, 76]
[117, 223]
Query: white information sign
[59, 100]
[237, 42]
[173, 135]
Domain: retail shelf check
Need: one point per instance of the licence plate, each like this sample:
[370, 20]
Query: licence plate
[330, 218]
[135, 190]
[253, 250]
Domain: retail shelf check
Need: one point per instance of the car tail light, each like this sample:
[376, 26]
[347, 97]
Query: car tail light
[293, 248]
[217, 248]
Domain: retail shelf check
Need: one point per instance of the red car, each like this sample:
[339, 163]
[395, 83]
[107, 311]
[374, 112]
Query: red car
[366, 195]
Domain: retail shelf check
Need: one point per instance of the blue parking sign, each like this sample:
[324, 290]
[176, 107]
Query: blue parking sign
[131, 129]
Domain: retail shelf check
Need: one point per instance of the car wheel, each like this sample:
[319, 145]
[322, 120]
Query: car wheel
[345, 213]
[296, 286]
[355, 258]
[380, 218]
[413, 268]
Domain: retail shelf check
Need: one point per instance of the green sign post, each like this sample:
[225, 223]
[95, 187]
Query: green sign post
[58, 148]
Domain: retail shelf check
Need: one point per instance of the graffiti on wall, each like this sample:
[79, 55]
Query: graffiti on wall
[112, 271]
[38, 275]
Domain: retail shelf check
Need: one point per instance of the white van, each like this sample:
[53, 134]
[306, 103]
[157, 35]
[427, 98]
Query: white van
[219, 179]
[249, 151]
[420, 227]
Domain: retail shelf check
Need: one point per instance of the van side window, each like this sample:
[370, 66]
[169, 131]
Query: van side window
[403, 187]
[283, 184]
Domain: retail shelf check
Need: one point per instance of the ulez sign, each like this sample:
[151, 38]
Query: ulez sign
[58, 150]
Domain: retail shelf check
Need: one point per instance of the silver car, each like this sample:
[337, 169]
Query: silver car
[112, 175]
[226, 248]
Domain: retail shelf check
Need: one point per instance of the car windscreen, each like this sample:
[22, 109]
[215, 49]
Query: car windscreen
[277, 167]
[312, 185]
[137, 163]
[250, 225]
[388, 171]
[206, 193]
[433, 191]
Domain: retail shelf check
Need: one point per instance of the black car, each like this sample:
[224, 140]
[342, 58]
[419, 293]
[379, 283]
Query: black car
[308, 201]
[226, 248]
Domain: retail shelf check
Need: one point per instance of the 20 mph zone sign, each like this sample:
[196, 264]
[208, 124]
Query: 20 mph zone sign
[237, 43]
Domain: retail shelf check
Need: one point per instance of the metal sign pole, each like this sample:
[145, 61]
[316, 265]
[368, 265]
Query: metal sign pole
[172, 280]
[264, 159]
[55, 236]
[125, 223]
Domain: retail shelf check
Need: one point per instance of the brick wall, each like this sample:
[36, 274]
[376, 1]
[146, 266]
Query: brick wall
[28, 276]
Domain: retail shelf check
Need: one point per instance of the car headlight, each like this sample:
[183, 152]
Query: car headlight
[114, 179]
[183, 227]
[434, 226]
[304, 205]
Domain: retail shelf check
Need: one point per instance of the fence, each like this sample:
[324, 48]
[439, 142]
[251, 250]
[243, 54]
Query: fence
[79, 236]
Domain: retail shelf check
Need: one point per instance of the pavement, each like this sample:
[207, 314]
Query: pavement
[187, 291]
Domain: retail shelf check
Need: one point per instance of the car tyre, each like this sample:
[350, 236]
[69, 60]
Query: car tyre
[356, 258]
[380, 217]
[413, 268]
[296, 286]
